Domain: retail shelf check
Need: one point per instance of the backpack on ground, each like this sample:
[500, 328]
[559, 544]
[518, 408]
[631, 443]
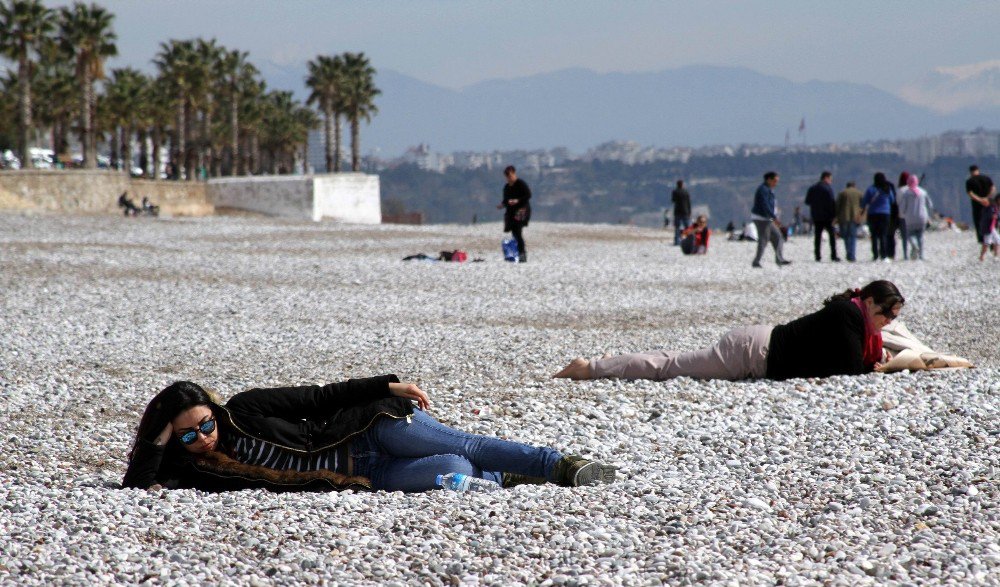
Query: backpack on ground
[510, 250]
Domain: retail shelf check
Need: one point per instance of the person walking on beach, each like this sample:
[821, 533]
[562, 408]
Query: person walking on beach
[914, 212]
[516, 195]
[848, 218]
[823, 209]
[979, 187]
[682, 210]
[765, 218]
[877, 204]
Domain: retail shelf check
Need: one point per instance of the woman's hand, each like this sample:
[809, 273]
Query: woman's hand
[412, 392]
[165, 435]
[879, 368]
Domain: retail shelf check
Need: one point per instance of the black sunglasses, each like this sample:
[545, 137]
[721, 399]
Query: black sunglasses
[207, 427]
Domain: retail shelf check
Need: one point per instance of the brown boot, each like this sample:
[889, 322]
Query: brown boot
[576, 471]
[513, 480]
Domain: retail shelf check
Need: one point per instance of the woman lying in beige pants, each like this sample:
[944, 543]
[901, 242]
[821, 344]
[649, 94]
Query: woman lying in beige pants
[842, 338]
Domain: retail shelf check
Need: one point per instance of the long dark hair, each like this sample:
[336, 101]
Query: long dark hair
[165, 406]
[884, 293]
[881, 183]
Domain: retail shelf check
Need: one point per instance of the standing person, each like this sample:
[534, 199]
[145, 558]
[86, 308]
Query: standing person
[896, 220]
[823, 209]
[516, 195]
[848, 217]
[877, 204]
[982, 186]
[914, 212]
[989, 223]
[682, 210]
[765, 218]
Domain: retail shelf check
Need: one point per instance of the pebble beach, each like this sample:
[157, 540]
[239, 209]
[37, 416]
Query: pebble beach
[876, 479]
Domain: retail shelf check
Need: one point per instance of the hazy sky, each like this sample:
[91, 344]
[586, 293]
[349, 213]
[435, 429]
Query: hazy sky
[454, 43]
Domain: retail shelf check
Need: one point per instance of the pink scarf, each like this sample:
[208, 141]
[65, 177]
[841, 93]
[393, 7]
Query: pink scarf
[871, 351]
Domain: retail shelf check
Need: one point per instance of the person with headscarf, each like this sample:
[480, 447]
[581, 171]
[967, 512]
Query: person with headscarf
[914, 211]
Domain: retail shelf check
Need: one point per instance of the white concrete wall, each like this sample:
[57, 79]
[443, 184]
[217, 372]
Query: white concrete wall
[346, 197]
[289, 196]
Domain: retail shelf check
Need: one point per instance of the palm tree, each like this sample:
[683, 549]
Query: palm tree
[235, 71]
[85, 33]
[26, 25]
[176, 62]
[126, 94]
[56, 80]
[326, 80]
[359, 99]
[159, 110]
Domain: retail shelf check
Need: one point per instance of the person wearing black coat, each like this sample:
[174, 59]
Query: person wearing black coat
[360, 433]
[517, 213]
[842, 338]
[823, 210]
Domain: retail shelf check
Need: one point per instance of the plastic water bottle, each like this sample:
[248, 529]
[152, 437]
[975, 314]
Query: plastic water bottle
[461, 483]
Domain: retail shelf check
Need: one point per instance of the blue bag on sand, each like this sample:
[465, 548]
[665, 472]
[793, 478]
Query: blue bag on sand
[509, 247]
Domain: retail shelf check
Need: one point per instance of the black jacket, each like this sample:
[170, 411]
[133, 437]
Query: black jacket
[821, 201]
[821, 344]
[682, 203]
[305, 419]
[520, 213]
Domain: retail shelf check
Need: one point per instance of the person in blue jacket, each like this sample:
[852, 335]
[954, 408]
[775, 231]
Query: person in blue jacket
[765, 218]
[877, 204]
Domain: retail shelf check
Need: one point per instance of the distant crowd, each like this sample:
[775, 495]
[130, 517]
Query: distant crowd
[882, 211]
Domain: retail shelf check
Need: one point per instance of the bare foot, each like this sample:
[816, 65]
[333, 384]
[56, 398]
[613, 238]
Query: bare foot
[578, 368]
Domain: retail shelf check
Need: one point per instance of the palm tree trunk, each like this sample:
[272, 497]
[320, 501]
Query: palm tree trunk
[180, 132]
[115, 151]
[336, 142]
[355, 143]
[189, 155]
[89, 148]
[127, 149]
[23, 142]
[155, 163]
[328, 138]
[255, 154]
[234, 139]
[143, 134]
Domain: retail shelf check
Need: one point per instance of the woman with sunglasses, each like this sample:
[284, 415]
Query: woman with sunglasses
[361, 433]
[842, 338]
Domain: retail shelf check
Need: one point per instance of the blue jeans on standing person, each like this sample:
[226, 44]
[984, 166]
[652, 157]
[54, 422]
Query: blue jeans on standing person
[409, 454]
[849, 232]
[915, 236]
[680, 223]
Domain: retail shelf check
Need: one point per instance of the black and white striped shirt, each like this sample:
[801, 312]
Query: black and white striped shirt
[254, 451]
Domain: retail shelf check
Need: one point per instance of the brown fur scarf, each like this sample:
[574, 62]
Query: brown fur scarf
[217, 462]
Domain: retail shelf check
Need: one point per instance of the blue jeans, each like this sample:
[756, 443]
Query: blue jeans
[879, 225]
[849, 232]
[915, 236]
[680, 223]
[401, 455]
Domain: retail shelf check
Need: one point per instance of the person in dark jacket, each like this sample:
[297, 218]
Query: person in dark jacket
[682, 210]
[877, 205]
[765, 217]
[842, 338]
[823, 210]
[516, 197]
[361, 433]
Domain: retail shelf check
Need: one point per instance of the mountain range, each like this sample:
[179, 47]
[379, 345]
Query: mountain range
[687, 106]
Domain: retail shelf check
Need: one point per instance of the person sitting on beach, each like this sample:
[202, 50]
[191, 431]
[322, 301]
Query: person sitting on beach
[694, 239]
[361, 433]
[127, 205]
[842, 338]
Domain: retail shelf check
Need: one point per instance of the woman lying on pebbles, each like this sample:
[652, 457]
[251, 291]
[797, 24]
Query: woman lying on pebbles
[842, 338]
[362, 433]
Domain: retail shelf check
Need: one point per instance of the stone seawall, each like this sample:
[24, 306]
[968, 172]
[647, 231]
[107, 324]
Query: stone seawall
[343, 197]
[82, 191]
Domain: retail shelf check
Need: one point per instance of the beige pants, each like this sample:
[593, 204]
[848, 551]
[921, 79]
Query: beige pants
[741, 353]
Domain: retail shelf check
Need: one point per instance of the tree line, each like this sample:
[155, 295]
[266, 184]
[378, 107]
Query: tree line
[206, 105]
